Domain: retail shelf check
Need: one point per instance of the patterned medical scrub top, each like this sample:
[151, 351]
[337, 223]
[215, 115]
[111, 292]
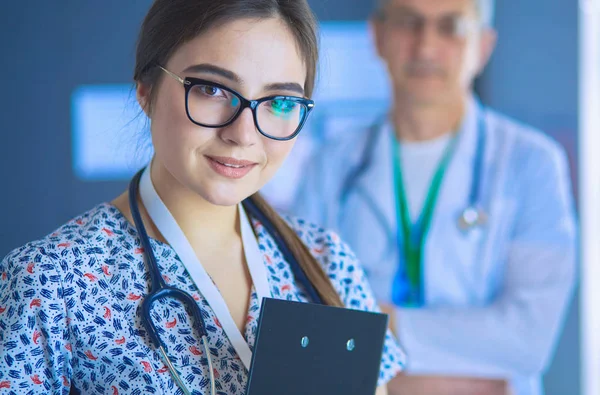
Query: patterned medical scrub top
[69, 311]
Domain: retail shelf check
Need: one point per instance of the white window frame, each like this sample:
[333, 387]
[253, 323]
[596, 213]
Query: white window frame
[589, 177]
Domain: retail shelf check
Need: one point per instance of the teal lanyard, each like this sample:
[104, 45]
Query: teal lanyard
[413, 234]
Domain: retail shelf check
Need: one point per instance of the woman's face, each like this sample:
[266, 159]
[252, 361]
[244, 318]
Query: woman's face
[256, 58]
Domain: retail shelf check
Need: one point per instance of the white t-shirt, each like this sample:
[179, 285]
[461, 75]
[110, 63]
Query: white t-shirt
[419, 162]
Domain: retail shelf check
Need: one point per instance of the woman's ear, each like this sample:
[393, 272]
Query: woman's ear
[142, 93]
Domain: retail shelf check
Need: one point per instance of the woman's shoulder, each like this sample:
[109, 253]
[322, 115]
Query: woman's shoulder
[322, 242]
[334, 255]
[349, 279]
[82, 235]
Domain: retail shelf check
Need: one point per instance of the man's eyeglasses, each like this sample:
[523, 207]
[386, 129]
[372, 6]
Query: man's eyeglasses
[449, 27]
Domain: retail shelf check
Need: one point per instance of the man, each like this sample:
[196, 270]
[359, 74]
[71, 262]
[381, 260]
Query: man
[462, 218]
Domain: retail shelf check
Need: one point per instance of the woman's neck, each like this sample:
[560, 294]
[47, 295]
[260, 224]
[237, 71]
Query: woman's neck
[207, 227]
[213, 233]
[202, 222]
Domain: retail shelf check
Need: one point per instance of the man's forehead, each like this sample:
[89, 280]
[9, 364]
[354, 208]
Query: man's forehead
[434, 7]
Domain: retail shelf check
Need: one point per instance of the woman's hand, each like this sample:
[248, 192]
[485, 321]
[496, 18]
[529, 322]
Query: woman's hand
[390, 310]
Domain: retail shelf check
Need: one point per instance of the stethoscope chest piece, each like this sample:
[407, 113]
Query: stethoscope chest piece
[472, 217]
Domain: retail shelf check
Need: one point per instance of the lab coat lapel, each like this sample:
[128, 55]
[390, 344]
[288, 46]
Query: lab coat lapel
[376, 182]
[456, 186]
[450, 254]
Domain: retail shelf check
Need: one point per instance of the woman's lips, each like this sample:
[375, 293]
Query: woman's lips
[230, 167]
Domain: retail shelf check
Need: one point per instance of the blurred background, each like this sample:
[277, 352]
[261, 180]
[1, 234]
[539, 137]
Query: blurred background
[70, 123]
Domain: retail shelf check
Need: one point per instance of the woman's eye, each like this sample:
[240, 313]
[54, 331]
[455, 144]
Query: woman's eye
[206, 92]
[282, 106]
[211, 90]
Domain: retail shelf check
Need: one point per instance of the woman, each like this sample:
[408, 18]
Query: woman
[70, 302]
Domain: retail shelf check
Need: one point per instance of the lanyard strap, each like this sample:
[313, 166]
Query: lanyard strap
[413, 234]
[168, 227]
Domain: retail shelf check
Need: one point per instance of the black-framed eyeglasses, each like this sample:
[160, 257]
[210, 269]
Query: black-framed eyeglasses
[213, 105]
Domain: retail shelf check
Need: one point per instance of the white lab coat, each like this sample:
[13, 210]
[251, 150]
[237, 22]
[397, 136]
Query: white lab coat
[496, 297]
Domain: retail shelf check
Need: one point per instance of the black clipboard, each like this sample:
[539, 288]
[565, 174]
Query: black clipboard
[309, 349]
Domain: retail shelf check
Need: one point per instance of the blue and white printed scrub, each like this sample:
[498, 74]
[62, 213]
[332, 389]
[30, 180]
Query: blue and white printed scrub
[69, 311]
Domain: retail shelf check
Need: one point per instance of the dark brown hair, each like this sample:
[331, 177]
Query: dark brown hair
[171, 23]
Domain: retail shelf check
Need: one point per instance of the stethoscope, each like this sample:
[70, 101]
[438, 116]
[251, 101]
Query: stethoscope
[471, 217]
[474, 216]
[160, 290]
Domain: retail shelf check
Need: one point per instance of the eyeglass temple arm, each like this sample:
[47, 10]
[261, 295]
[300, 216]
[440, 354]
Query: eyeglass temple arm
[178, 78]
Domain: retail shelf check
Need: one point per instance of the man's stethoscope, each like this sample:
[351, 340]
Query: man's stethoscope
[160, 290]
[471, 217]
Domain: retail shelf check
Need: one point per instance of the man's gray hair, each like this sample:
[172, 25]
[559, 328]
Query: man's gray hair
[484, 7]
[486, 10]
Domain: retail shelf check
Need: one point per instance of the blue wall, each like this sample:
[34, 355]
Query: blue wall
[534, 77]
[49, 48]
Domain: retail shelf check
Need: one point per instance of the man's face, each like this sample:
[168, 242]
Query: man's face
[433, 49]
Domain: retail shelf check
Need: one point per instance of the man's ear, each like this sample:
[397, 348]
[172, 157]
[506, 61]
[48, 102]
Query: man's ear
[376, 31]
[487, 44]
